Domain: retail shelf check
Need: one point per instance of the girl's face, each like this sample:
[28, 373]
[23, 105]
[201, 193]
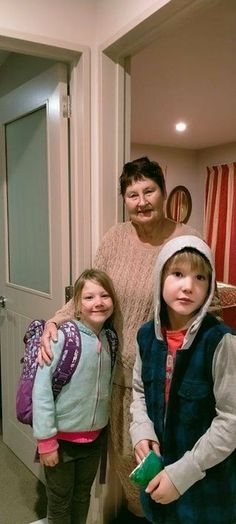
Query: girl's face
[184, 292]
[144, 201]
[95, 305]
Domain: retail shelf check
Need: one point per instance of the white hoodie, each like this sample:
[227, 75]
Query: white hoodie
[169, 249]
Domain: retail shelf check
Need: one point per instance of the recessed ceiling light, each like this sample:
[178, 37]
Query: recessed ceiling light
[181, 126]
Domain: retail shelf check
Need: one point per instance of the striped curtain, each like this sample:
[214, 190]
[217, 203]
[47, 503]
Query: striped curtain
[179, 206]
[175, 207]
[220, 219]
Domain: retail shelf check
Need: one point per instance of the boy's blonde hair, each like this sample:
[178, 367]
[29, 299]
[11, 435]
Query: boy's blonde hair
[101, 278]
[197, 261]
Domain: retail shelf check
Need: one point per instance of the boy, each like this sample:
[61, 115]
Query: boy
[184, 401]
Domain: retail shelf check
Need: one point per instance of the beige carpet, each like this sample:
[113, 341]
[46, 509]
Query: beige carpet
[23, 498]
[43, 521]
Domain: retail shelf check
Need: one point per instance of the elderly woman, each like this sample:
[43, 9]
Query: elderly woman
[127, 253]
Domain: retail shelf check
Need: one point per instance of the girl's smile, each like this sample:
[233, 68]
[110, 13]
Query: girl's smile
[96, 305]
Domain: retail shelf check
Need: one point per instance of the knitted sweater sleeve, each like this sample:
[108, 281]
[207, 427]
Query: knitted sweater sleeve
[67, 312]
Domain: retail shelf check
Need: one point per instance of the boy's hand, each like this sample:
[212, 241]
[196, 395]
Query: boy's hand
[143, 447]
[161, 489]
[49, 459]
[45, 354]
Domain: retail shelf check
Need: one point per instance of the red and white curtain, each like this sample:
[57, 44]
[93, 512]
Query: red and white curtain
[177, 206]
[220, 219]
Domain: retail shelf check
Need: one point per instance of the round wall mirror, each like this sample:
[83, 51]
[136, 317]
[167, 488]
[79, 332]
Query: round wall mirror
[179, 204]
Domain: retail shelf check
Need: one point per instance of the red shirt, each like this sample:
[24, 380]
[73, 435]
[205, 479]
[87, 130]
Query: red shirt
[174, 340]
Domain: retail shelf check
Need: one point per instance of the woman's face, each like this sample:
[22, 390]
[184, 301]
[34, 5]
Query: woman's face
[144, 201]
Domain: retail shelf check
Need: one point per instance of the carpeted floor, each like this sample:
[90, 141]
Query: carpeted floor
[23, 499]
[43, 521]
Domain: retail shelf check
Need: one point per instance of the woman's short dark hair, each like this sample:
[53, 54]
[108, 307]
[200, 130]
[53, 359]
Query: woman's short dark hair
[140, 168]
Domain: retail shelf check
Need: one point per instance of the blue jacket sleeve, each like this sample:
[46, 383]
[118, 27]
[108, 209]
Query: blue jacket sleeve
[44, 419]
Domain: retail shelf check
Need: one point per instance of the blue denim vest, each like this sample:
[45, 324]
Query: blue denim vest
[189, 414]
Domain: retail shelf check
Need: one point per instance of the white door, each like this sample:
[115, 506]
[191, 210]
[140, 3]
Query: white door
[34, 227]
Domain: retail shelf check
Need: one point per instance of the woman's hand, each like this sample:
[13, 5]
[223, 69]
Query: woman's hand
[143, 447]
[49, 459]
[45, 353]
[161, 489]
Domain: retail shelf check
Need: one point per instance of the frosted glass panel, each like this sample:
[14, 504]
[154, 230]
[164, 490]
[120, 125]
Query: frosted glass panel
[27, 192]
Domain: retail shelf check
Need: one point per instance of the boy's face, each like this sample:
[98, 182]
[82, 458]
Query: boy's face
[184, 292]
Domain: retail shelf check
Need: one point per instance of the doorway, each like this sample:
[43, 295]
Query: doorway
[20, 69]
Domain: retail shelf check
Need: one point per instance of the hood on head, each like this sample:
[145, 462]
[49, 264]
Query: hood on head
[168, 250]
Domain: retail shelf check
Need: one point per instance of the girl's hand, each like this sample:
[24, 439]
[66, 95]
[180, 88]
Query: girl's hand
[161, 489]
[45, 354]
[143, 447]
[49, 459]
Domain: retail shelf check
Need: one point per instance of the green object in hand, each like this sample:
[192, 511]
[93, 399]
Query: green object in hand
[150, 466]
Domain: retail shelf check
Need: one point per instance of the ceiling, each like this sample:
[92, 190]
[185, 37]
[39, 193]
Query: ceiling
[188, 74]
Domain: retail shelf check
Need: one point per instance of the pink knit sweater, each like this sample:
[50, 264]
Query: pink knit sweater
[129, 263]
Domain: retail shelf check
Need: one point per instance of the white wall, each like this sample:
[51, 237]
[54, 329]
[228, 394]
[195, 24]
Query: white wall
[116, 17]
[72, 21]
[85, 22]
[223, 154]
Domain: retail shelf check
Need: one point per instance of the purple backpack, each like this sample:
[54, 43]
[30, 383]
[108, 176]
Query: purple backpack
[66, 365]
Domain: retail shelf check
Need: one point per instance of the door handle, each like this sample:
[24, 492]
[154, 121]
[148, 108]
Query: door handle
[2, 301]
[69, 290]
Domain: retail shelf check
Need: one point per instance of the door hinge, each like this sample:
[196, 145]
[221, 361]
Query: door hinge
[66, 106]
[69, 290]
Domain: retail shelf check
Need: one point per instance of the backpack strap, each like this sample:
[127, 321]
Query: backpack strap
[113, 344]
[69, 357]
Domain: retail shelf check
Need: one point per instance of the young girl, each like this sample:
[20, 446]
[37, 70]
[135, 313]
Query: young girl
[184, 402]
[69, 429]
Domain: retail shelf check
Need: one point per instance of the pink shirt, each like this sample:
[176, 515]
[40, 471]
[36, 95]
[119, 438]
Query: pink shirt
[81, 437]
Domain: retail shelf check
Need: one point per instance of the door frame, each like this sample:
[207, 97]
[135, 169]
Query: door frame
[78, 63]
[115, 97]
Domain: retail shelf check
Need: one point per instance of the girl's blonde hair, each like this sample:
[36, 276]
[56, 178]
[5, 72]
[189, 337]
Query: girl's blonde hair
[101, 278]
